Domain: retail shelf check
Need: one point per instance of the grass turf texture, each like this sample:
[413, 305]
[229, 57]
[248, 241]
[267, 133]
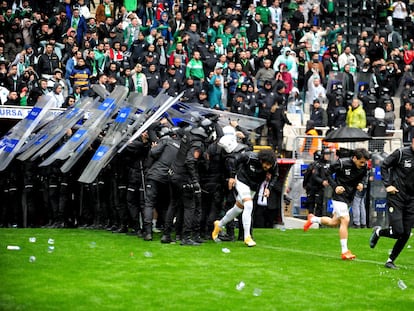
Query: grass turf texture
[97, 270]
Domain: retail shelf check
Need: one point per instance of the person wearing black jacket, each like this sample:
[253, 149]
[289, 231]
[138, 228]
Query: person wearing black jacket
[397, 172]
[317, 182]
[135, 155]
[153, 80]
[48, 62]
[350, 176]
[252, 171]
[265, 99]
[171, 81]
[184, 179]
[161, 154]
[277, 119]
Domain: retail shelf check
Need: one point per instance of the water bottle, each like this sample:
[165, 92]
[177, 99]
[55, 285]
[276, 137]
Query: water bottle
[402, 285]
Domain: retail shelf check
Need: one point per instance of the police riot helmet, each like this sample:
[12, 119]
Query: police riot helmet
[228, 143]
[317, 155]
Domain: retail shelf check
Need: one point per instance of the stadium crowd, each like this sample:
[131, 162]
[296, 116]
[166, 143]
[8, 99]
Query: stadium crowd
[257, 58]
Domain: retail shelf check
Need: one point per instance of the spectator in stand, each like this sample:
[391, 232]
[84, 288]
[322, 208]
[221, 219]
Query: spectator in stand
[265, 15]
[57, 93]
[356, 115]
[314, 38]
[318, 115]
[105, 28]
[315, 90]
[284, 76]
[13, 99]
[375, 49]
[264, 73]
[348, 84]
[256, 27]
[48, 62]
[140, 81]
[399, 13]
[215, 93]
[389, 117]
[104, 10]
[80, 76]
[288, 58]
[347, 58]
[78, 22]
[194, 69]
[328, 11]
[298, 17]
[276, 15]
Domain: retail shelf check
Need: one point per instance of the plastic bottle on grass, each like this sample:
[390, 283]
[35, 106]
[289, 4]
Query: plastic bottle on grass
[402, 285]
[240, 286]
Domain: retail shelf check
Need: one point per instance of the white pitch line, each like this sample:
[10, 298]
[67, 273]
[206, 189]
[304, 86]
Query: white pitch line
[297, 251]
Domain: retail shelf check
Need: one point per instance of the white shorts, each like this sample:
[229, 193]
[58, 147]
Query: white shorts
[340, 209]
[243, 191]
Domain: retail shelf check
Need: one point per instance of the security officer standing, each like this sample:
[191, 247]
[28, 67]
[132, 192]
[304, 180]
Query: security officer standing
[266, 97]
[318, 181]
[185, 181]
[135, 153]
[161, 154]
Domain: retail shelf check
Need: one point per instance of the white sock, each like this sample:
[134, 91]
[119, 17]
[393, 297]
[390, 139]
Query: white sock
[247, 217]
[230, 215]
[344, 245]
[389, 260]
[316, 220]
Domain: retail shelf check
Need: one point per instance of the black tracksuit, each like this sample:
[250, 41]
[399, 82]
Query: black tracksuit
[398, 170]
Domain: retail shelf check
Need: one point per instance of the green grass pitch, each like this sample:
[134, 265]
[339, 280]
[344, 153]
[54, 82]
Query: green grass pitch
[287, 270]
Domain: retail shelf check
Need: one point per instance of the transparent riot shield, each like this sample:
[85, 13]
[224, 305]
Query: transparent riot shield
[407, 76]
[378, 196]
[362, 83]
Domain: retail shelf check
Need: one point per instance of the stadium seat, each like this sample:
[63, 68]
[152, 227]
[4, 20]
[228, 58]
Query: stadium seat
[355, 30]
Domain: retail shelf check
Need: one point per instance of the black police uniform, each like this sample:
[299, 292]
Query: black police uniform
[157, 188]
[185, 184]
[398, 170]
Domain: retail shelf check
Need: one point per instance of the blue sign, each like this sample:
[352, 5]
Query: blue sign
[380, 205]
[303, 168]
[303, 202]
[106, 103]
[34, 113]
[41, 139]
[100, 152]
[78, 135]
[377, 173]
[123, 115]
[329, 207]
[10, 145]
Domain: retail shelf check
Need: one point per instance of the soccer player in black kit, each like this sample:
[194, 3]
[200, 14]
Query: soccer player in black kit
[397, 172]
[350, 176]
[251, 172]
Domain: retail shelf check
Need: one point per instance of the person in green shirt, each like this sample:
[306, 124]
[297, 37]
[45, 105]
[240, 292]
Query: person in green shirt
[101, 58]
[264, 12]
[226, 36]
[195, 69]
[212, 32]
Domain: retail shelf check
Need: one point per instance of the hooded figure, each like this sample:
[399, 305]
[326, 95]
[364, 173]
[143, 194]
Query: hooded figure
[289, 60]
